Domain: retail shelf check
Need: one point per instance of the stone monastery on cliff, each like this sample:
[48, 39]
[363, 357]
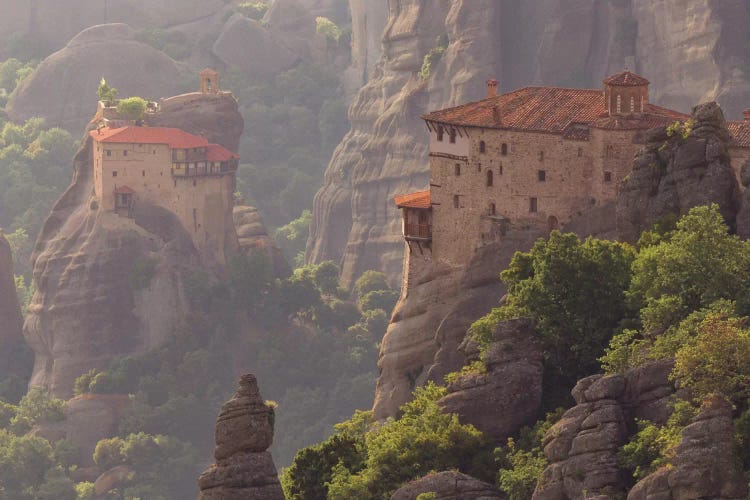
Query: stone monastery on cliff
[165, 167]
[532, 158]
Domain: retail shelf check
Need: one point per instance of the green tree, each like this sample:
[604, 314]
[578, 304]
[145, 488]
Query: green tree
[106, 93]
[132, 108]
[370, 281]
[36, 407]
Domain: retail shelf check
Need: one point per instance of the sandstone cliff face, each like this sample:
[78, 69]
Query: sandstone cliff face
[253, 236]
[705, 464]
[87, 309]
[582, 446]
[431, 319]
[551, 42]
[671, 175]
[509, 395]
[63, 88]
[244, 469]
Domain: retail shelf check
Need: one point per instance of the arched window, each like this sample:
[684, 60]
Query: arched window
[580, 152]
[489, 178]
[493, 209]
[455, 201]
[632, 104]
[452, 135]
[504, 149]
[458, 170]
[482, 147]
[619, 103]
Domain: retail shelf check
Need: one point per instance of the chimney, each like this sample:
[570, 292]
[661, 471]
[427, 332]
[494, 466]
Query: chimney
[492, 88]
[746, 114]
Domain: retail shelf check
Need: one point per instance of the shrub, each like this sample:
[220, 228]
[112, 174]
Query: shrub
[37, 407]
[433, 57]
[132, 108]
[106, 93]
[327, 28]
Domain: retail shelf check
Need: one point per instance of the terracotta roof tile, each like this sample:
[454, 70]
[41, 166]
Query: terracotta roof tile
[740, 131]
[173, 137]
[215, 152]
[626, 79]
[420, 199]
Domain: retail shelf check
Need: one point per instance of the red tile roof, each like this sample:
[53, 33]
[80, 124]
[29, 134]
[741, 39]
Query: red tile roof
[173, 137]
[420, 199]
[216, 152]
[552, 110]
[626, 79]
[124, 190]
[740, 131]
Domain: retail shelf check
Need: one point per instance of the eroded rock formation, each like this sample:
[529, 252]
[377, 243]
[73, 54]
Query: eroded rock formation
[244, 469]
[253, 236]
[63, 88]
[88, 308]
[450, 485]
[705, 464]
[582, 446]
[432, 317]
[509, 395]
[674, 173]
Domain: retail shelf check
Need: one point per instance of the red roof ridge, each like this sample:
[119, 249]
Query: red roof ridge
[418, 199]
[626, 78]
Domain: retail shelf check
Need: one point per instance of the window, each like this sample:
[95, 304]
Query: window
[610, 151]
[482, 147]
[500, 169]
[143, 173]
[175, 182]
[125, 153]
[580, 152]
[440, 134]
[194, 183]
[504, 149]
[479, 167]
[532, 205]
[458, 170]
[632, 104]
[455, 201]
[109, 152]
[607, 176]
[542, 175]
[452, 136]
[114, 173]
[619, 103]
[154, 151]
[489, 178]
[493, 209]
[541, 155]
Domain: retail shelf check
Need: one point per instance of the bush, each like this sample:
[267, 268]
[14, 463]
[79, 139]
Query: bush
[327, 28]
[37, 407]
[433, 57]
[132, 108]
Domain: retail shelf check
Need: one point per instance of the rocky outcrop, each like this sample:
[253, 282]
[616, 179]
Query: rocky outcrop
[62, 90]
[582, 446]
[705, 464]
[509, 395]
[86, 310]
[450, 485]
[244, 470]
[432, 317]
[253, 236]
[673, 173]
[555, 42]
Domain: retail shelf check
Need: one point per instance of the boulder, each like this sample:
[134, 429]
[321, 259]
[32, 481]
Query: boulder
[449, 485]
[670, 176]
[509, 395]
[63, 88]
[705, 464]
[244, 470]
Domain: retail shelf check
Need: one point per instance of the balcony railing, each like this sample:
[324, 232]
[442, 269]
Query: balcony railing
[418, 232]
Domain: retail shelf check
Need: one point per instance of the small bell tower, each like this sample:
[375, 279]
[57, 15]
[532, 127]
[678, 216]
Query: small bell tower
[209, 81]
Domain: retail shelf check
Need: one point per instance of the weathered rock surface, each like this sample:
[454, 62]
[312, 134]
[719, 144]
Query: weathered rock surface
[671, 175]
[551, 42]
[244, 470]
[253, 236]
[582, 446]
[63, 88]
[450, 485]
[56, 22]
[509, 395]
[431, 319]
[705, 464]
[368, 22]
[85, 312]
[743, 215]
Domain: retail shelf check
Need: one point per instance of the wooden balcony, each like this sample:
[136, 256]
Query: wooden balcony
[418, 232]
